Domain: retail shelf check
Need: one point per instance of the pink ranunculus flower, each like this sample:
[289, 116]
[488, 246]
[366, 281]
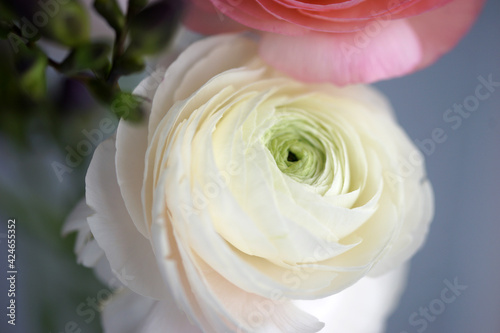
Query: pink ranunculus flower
[343, 42]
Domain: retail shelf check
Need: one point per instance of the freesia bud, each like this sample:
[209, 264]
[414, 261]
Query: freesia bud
[93, 56]
[152, 28]
[110, 10]
[31, 66]
[70, 26]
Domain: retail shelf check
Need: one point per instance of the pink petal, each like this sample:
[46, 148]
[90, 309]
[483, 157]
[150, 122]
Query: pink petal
[319, 4]
[371, 9]
[392, 50]
[251, 14]
[205, 18]
[291, 17]
[382, 50]
[440, 30]
[346, 20]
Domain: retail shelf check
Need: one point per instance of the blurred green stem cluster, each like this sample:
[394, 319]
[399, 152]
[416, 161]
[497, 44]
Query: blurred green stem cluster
[33, 82]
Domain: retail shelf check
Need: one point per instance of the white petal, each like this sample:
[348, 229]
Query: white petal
[225, 307]
[77, 219]
[131, 146]
[361, 308]
[250, 312]
[91, 254]
[128, 312]
[87, 250]
[104, 273]
[415, 201]
[129, 253]
[236, 53]
[417, 221]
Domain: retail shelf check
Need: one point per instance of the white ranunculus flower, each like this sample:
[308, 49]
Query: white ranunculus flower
[248, 199]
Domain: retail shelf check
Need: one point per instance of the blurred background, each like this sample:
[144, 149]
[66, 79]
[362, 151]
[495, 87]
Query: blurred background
[464, 170]
[462, 247]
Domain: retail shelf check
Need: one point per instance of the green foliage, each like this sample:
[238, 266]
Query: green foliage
[91, 56]
[5, 29]
[30, 100]
[6, 11]
[134, 6]
[54, 79]
[110, 10]
[152, 28]
[70, 26]
[31, 65]
[127, 106]
[129, 64]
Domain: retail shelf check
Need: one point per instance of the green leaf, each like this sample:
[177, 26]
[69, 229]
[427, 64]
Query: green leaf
[102, 91]
[31, 66]
[6, 11]
[127, 106]
[69, 26]
[152, 28]
[5, 29]
[129, 63]
[135, 6]
[111, 12]
[93, 56]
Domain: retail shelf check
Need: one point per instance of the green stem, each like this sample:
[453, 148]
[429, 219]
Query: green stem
[118, 49]
[82, 77]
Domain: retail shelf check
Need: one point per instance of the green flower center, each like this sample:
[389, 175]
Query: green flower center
[296, 144]
[291, 157]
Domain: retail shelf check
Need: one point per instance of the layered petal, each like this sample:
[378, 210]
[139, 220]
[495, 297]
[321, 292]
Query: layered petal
[295, 17]
[361, 308]
[440, 30]
[128, 312]
[205, 18]
[351, 41]
[215, 303]
[392, 50]
[383, 49]
[129, 253]
[87, 250]
[132, 141]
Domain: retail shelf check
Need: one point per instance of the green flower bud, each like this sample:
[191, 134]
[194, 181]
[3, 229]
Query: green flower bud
[5, 29]
[70, 26]
[152, 28]
[134, 6]
[127, 106]
[102, 91]
[93, 56]
[129, 63]
[31, 66]
[111, 12]
[6, 11]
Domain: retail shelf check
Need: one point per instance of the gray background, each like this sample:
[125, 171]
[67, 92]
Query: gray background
[464, 238]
